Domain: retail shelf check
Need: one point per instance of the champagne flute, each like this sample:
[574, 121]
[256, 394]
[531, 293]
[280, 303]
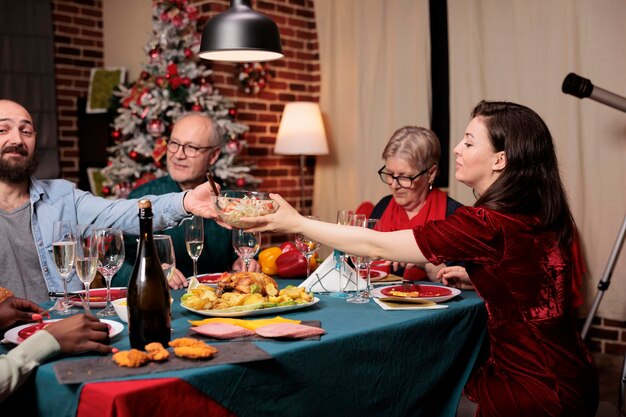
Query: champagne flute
[86, 258]
[356, 219]
[165, 252]
[343, 218]
[246, 244]
[63, 253]
[110, 246]
[194, 240]
[307, 246]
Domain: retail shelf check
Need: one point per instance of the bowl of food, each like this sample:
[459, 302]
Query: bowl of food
[121, 308]
[232, 205]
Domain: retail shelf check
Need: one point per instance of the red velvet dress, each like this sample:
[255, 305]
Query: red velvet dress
[538, 364]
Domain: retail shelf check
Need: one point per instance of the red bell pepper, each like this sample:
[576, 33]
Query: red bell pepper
[288, 246]
[291, 263]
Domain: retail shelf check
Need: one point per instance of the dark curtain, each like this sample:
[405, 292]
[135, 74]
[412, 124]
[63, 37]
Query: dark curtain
[440, 123]
[27, 72]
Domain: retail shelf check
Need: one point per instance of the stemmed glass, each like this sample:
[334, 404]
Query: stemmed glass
[165, 252]
[367, 293]
[63, 253]
[357, 219]
[307, 246]
[86, 258]
[246, 244]
[110, 246]
[194, 240]
[343, 218]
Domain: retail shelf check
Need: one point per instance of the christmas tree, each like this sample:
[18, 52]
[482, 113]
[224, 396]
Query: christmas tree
[172, 82]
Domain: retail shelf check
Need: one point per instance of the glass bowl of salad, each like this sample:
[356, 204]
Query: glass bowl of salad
[232, 205]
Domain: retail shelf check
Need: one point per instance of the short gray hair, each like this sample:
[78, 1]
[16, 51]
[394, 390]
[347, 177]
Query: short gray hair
[419, 146]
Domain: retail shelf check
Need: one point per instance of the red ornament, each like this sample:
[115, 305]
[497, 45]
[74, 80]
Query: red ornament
[188, 53]
[116, 134]
[172, 69]
[133, 155]
[106, 191]
[175, 82]
[161, 81]
[186, 81]
[155, 54]
[196, 107]
[155, 127]
[240, 182]
[144, 75]
[232, 112]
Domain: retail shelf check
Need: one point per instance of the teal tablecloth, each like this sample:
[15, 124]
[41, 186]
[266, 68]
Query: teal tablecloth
[370, 362]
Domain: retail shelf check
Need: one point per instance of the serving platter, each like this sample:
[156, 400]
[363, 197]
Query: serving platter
[250, 313]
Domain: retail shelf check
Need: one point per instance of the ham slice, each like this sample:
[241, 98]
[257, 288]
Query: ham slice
[222, 330]
[289, 330]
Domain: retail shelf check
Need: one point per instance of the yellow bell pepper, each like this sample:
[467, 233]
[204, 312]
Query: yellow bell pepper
[267, 260]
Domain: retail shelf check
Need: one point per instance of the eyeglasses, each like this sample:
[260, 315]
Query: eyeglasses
[402, 180]
[188, 149]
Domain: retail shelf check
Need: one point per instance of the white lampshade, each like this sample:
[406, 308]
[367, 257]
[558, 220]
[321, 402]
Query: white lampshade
[301, 130]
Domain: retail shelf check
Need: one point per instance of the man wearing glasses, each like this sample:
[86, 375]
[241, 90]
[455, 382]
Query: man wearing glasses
[193, 147]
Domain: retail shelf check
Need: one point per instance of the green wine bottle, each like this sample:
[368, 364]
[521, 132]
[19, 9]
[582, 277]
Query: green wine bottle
[148, 295]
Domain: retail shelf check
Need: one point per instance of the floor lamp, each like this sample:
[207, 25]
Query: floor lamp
[301, 132]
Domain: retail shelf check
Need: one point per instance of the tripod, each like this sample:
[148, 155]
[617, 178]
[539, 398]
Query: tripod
[603, 285]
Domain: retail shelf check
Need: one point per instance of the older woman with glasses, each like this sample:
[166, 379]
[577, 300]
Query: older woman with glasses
[411, 165]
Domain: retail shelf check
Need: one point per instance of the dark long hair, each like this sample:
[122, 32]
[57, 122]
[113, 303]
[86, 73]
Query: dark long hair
[530, 182]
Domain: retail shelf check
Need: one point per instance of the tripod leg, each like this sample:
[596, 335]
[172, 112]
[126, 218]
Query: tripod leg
[605, 281]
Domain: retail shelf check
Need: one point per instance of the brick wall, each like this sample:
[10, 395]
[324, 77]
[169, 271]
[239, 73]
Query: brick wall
[78, 47]
[607, 336]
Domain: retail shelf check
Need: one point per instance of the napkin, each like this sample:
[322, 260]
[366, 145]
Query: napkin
[326, 277]
[413, 305]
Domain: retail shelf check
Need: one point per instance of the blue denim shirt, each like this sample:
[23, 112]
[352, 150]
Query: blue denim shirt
[52, 200]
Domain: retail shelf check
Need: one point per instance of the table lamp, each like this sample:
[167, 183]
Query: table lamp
[240, 34]
[301, 132]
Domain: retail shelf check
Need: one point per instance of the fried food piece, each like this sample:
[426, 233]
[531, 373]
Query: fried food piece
[5, 293]
[156, 352]
[131, 358]
[187, 347]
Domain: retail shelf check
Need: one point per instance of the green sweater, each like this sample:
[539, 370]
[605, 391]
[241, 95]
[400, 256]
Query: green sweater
[218, 254]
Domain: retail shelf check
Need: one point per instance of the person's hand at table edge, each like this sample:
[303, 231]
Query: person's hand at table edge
[81, 333]
[14, 310]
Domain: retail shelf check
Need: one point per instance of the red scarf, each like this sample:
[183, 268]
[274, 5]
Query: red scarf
[395, 218]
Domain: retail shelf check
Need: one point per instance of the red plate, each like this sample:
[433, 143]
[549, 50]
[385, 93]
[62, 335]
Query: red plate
[98, 297]
[210, 278]
[424, 291]
[27, 332]
[31, 330]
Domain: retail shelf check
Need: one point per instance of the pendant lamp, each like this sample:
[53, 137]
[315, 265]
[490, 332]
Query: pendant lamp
[240, 34]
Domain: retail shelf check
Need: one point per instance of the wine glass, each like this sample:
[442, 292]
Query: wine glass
[343, 218]
[110, 246]
[246, 244]
[307, 246]
[367, 293]
[165, 252]
[194, 240]
[357, 219]
[63, 253]
[86, 258]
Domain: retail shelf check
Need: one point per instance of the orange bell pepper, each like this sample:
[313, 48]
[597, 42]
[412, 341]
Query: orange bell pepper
[267, 260]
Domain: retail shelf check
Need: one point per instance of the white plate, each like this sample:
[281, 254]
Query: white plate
[261, 311]
[99, 294]
[426, 288]
[12, 335]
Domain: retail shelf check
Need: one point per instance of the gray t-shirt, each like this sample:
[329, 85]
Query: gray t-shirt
[20, 271]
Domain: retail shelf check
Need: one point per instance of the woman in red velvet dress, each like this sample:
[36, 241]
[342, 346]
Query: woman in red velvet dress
[516, 245]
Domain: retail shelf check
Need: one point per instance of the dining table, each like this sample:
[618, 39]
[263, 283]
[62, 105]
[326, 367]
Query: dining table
[369, 362]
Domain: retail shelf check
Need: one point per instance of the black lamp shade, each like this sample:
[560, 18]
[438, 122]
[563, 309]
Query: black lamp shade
[240, 34]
